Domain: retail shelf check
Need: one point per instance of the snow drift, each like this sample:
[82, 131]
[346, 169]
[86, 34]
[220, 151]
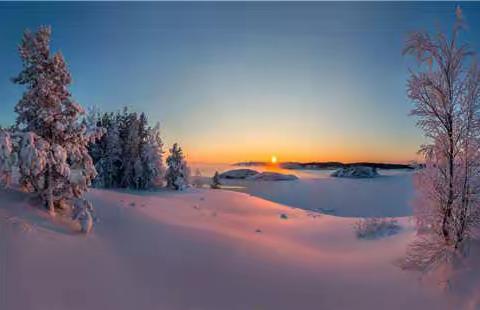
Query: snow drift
[201, 249]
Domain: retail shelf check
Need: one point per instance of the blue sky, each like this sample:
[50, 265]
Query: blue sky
[243, 81]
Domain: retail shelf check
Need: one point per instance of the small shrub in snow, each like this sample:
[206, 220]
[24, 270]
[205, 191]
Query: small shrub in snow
[283, 216]
[83, 213]
[372, 228]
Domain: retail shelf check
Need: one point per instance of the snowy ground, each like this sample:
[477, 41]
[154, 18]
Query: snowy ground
[207, 249]
[388, 195]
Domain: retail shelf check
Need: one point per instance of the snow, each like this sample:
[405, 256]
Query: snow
[385, 196]
[208, 249]
[272, 176]
[356, 172]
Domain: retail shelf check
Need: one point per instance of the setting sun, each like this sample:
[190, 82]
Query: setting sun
[274, 159]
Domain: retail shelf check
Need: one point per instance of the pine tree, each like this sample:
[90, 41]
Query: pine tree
[93, 120]
[152, 158]
[110, 163]
[133, 169]
[177, 174]
[53, 134]
[130, 154]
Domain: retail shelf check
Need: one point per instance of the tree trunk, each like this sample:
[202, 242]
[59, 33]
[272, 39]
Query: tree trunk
[448, 208]
[49, 190]
[465, 198]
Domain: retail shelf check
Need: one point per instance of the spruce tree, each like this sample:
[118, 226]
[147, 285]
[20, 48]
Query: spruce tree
[152, 158]
[177, 172]
[50, 121]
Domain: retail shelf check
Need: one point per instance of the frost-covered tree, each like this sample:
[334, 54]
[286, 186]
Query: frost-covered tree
[54, 160]
[133, 168]
[216, 181]
[445, 90]
[93, 119]
[177, 174]
[152, 158]
[110, 164]
[130, 154]
[6, 157]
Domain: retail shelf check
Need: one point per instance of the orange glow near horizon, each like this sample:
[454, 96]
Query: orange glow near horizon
[228, 156]
[294, 145]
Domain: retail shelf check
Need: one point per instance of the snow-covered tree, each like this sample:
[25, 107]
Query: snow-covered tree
[130, 154]
[6, 158]
[93, 121]
[177, 174]
[133, 168]
[54, 160]
[110, 164]
[216, 181]
[445, 90]
[152, 158]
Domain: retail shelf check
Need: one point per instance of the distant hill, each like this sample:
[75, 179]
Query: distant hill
[327, 165]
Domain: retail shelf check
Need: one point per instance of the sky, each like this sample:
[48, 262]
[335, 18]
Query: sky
[243, 81]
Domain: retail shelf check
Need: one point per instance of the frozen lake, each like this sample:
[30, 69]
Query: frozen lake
[389, 195]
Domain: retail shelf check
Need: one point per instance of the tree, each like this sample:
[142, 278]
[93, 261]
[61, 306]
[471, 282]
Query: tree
[215, 181]
[94, 120]
[445, 90]
[133, 169]
[152, 158]
[110, 164]
[6, 157]
[130, 154]
[177, 172]
[54, 160]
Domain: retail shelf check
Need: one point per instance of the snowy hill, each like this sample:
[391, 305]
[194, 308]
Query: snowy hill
[203, 249]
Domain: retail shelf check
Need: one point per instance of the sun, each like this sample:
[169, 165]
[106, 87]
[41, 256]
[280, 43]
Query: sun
[274, 159]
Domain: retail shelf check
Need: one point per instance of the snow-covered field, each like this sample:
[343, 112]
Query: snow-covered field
[220, 249]
[388, 195]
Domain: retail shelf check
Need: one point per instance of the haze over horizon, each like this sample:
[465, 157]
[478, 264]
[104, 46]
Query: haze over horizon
[238, 82]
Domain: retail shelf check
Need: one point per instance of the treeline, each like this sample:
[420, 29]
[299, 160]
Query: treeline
[130, 153]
